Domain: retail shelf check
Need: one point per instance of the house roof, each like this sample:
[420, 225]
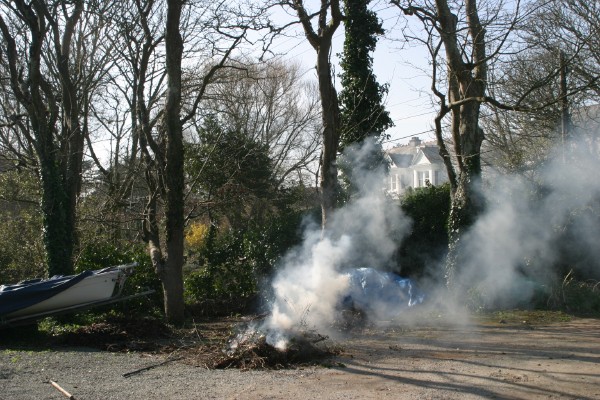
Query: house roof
[432, 153]
[401, 160]
[405, 156]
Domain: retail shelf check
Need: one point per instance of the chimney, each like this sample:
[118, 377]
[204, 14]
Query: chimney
[414, 141]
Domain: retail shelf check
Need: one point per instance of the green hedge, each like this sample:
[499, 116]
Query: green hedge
[421, 251]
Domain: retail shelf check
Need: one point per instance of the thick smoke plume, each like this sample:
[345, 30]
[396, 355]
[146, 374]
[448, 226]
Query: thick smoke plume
[311, 281]
[535, 229]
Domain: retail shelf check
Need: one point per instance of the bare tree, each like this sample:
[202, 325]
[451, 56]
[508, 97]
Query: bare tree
[573, 28]
[207, 34]
[320, 34]
[51, 77]
[169, 160]
[272, 105]
[466, 46]
[554, 77]
[519, 142]
[128, 110]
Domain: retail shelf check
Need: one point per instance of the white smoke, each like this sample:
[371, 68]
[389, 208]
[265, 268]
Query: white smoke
[311, 281]
[512, 250]
[508, 254]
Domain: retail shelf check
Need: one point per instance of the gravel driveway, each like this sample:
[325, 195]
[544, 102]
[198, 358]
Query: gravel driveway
[476, 361]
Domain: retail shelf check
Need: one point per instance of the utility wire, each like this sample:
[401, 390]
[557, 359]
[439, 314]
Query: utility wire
[445, 126]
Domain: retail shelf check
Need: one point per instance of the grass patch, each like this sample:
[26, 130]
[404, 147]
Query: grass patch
[519, 317]
[109, 331]
[576, 297]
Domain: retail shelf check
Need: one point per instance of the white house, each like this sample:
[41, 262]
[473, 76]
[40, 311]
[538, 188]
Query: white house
[414, 165]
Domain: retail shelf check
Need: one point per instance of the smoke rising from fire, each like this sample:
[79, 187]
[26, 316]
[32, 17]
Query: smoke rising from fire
[535, 229]
[530, 226]
[311, 281]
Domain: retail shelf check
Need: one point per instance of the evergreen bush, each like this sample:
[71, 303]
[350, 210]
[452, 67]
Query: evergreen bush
[421, 251]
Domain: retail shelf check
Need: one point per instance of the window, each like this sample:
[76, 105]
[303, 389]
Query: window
[393, 183]
[423, 178]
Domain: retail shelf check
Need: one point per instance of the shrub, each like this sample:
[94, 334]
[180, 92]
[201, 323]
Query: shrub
[196, 236]
[220, 282]
[102, 254]
[573, 296]
[230, 267]
[220, 271]
[264, 244]
[22, 254]
[428, 208]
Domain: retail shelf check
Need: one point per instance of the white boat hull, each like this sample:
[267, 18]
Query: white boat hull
[97, 287]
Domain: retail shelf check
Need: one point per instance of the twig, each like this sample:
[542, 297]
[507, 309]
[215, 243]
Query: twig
[259, 316]
[320, 338]
[137, 371]
[63, 391]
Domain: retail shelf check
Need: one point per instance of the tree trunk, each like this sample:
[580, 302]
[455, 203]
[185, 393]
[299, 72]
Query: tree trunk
[331, 134]
[171, 271]
[321, 42]
[58, 229]
[71, 131]
[467, 81]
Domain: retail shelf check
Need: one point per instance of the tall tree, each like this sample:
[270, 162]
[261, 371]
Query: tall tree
[329, 16]
[467, 80]
[169, 265]
[204, 31]
[362, 113]
[556, 75]
[469, 40]
[37, 53]
[454, 29]
[560, 68]
[128, 111]
[361, 110]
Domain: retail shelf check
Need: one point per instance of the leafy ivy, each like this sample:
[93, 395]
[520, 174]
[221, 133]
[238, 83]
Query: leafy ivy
[361, 109]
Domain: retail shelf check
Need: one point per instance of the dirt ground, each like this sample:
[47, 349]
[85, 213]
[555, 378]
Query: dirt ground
[503, 358]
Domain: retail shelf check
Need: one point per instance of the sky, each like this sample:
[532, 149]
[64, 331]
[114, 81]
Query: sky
[400, 67]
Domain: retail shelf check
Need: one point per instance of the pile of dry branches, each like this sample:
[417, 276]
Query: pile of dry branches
[251, 350]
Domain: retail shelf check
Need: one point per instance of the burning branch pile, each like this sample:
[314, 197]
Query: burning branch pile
[252, 349]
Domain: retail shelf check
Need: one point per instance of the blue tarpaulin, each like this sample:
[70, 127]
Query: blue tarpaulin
[28, 293]
[381, 292]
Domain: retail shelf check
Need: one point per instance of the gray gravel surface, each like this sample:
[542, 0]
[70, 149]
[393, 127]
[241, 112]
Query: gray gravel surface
[557, 361]
[88, 374]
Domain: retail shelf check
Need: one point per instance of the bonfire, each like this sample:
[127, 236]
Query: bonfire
[254, 346]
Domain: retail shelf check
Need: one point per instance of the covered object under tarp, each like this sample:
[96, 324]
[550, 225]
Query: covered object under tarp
[384, 294]
[27, 293]
[28, 301]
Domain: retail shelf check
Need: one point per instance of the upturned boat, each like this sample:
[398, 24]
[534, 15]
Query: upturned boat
[37, 298]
